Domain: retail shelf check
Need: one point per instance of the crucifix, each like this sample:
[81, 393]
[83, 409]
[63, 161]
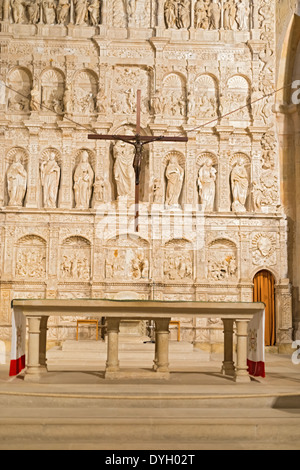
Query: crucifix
[138, 141]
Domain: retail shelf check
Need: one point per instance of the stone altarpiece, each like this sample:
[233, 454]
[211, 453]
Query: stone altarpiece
[211, 216]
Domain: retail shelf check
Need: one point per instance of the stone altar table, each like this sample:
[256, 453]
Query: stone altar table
[38, 311]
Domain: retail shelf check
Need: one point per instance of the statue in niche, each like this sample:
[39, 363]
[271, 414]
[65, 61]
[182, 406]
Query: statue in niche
[18, 11]
[175, 176]
[63, 9]
[207, 185]
[99, 191]
[184, 15]
[242, 15]
[171, 13]
[201, 15]
[68, 100]
[131, 9]
[239, 186]
[16, 182]
[94, 12]
[50, 176]
[229, 12]
[81, 12]
[123, 170]
[83, 182]
[33, 10]
[214, 12]
[35, 99]
[49, 9]
[140, 266]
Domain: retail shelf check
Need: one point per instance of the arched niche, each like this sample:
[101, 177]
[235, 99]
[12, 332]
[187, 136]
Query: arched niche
[16, 157]
[174, 96]
[209, 160]
[31, 257]
[222, 262]
[75, 260]
[180, 161]
[50, 160]
[243, 161]
[127, 257]
[20, 80]
[238, 98]
[206, 96]
[52, 90]
[178, 263]
[85, 90]
[83, 171]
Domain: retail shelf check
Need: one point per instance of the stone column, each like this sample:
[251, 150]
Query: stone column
[228, 364]
[36, 361]
[241, 373]
[161, 364]
[6, 10]
[113, 329]
[33, 165]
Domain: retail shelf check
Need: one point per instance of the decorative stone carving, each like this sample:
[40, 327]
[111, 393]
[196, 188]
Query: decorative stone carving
[63, 8]
[222, 261]
[19, 79]
[50, 177]
[239, 186]
[174, 96]
[52, 90]
[83, 182]
[49, 11]
[31, 258]
[178, 261]
[76, 259]
[127, 258]
[85, 93]
[175, 177]
[207, 185]
[264, 250]
[16, 181]
[123, 170]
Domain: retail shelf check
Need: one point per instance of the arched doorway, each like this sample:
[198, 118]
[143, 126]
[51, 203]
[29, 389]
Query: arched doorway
[264, 291]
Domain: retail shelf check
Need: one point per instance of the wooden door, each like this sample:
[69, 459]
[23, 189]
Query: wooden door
[264, 291]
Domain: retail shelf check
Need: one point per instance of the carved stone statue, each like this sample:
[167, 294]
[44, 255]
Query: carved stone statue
[94, 12]
[63, 9]
[207, 185]
[50, 175]
[83, 182]
[175, 175]
[171, 13]
[81, 11]
[123, 170]
[68, 101]
[201, 15]
[184, 14]
[18, 11]
[35, 99]
[49, 9]
[16, 182]
[242, 15]
[239, 186]
[214, 12]
[33, 10]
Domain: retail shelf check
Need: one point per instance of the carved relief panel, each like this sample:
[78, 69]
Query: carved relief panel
[75, 259]
[127, 258]
[222, 261]
[178, 264]
[31, 258]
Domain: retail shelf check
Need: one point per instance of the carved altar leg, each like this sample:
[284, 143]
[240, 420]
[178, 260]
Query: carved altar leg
[36, 362]
[241, 374]
[112, 364]
[161, 363]
[228, 364]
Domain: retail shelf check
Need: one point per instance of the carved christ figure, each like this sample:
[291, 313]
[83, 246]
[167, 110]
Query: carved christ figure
[207, 185]
[83, 182]
[17, 182]
[50, 175]
[175, 175]
[239, 186]
[123, 170]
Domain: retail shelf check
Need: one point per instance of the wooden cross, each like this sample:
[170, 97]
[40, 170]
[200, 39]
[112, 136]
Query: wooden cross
[138, 141]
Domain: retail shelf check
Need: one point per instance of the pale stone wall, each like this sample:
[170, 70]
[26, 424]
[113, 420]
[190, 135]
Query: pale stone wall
[191, 69]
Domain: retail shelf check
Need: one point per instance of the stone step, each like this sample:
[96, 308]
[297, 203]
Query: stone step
[125, 427]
